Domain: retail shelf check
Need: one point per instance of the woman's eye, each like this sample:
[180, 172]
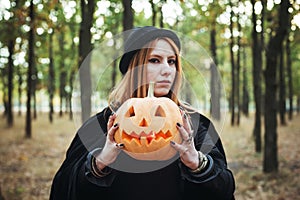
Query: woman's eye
[153, 60]
[172, 61]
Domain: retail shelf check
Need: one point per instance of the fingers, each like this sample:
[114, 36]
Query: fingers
[111, 132]
[178, 147]
[187, 124]
[111, 127]
[187, 140]
[111, 120]
[186, 137]
[184, 134]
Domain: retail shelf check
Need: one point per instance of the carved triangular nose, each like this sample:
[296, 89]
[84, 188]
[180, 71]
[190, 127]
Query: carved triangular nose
[143, 123]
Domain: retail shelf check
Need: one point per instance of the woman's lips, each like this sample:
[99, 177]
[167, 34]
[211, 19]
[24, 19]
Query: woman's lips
[163, 82]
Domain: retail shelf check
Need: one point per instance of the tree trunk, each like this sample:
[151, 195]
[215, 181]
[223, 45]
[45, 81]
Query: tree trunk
[51, 87]
[290, 77]
[4, 89]
[33, 91]
[10, 117]
[34, 99]
[63, 74]
[115, 63]
[20, 82]
[154, 12]
[128, 15]
[270, 161]
[71, 80]
[245, 95]
[31, 64]
[5, 102]
[238, 69]
[161, 19]
[85, 46]
[298, 104]
[270, 151]
[233, 87]
[215, 82]
[256, 72]
[282, 108]
[72, 71]
[114, 73]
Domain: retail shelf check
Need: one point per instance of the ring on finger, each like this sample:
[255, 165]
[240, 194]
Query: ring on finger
[189, 140]
[120, 145]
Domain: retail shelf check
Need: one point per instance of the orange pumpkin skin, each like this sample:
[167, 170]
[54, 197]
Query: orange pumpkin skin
[146, 127]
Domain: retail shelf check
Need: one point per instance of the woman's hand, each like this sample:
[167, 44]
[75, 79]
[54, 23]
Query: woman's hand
[111, 149]
[187, 151]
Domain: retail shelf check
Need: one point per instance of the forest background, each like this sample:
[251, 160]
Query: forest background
[249, 68]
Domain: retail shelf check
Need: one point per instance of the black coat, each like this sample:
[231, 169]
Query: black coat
[173, 181]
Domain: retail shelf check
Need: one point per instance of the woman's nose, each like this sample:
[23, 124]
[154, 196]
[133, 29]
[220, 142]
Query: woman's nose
[165, 68]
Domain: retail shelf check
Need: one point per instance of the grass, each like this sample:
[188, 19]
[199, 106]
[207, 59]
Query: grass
[27, 166]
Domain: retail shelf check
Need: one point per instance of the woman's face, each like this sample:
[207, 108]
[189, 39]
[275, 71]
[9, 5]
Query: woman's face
[161, 67]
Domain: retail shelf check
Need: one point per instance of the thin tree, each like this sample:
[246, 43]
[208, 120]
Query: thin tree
[270, 160]
[10, 117]
[215, 87]
[85, 46]
[11, 33]
[161, 19]
[63, 72]
[282, 86]
[127, 15]
[233, 67]
[257, 75]
[73, 69]
[154, 12]
[20, 83]
[51, 82]
[238, 69]
[31, 65]
[115, 63]
[245, 94]
[298, 104]
[290, 77]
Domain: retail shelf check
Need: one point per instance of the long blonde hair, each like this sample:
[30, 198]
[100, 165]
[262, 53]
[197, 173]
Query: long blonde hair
[134, 83]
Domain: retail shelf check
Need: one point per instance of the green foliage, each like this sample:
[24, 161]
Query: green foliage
[192, 19]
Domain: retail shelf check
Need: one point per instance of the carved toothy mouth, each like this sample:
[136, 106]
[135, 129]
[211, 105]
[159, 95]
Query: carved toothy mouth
[146, 139]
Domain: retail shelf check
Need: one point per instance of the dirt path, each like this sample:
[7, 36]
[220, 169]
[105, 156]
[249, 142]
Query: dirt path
[27, 166]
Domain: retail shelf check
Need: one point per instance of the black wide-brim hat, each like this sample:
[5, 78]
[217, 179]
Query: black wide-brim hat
[138, 38]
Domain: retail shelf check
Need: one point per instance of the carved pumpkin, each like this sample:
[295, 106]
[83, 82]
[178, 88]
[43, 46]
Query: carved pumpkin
[147, 125]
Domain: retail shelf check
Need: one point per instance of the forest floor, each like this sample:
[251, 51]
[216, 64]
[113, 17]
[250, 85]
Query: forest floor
[27, 166]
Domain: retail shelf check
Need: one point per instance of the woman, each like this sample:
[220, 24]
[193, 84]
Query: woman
[198, 170]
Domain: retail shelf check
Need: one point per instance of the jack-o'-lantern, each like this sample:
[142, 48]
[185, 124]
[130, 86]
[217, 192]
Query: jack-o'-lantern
[147, 125]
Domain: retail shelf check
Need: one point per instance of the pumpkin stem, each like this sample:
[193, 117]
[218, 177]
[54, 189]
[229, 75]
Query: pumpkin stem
[151, 89]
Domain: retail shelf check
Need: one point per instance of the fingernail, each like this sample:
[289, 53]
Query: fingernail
[184, 116]
[116, 124]
[178, 124]
[121, 145]
[180, 107]
[172, 142]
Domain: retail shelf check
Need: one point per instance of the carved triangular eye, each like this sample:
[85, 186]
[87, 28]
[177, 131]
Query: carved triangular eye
[160, 112]
[130, 112]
